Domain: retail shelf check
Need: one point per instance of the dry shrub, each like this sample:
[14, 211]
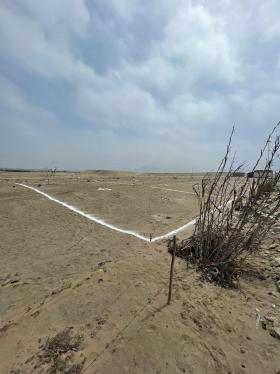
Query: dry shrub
[50, 173]
[235, 215]
[57, 352]
[266, 187]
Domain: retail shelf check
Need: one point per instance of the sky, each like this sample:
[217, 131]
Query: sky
[136, 85]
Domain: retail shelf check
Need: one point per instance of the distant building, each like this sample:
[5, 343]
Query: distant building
[260, 174]
[239, 174]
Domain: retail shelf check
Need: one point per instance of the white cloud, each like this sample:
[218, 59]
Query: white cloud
[199, 41]
[59, 16]
[125, 9]
[196, 114]
[26, 44]
[20, 118]
[269, 20]
[123, 106]
[194, 51]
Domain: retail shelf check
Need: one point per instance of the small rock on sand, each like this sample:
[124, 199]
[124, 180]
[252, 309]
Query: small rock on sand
[11, 280]
[275, 332]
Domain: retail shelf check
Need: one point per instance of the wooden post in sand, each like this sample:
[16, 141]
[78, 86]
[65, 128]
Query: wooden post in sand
[171, 270]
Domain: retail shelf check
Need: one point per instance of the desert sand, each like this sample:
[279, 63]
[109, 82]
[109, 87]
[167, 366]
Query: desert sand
[62, 272]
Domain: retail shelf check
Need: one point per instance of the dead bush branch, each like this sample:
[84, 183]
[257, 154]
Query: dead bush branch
[235, 214]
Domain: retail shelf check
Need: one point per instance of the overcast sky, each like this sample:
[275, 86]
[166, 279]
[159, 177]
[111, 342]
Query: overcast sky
[134, 84]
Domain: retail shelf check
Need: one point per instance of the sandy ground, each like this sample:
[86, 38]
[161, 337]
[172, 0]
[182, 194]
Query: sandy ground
[148, 205]
[59, 270]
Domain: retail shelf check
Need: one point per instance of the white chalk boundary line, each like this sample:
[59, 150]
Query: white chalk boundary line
[108, 225]
[160, 188]
[169, 189]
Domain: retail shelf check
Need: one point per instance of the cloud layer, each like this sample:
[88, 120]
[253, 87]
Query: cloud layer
[131, 85]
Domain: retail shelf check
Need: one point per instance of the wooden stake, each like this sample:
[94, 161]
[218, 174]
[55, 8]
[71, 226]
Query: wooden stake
[171, 270]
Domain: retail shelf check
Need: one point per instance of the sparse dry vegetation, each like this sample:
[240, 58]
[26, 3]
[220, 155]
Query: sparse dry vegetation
[57, 352]
[50, 173]
[235, 215]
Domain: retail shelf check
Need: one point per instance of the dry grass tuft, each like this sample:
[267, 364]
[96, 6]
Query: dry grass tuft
[57, 352]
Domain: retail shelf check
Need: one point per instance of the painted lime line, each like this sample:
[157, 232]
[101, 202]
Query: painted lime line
[95, 219]
[169, 189]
